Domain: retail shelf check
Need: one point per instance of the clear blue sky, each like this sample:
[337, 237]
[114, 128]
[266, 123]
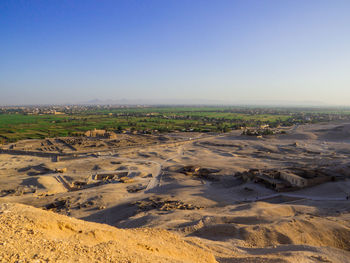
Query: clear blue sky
[274, 50]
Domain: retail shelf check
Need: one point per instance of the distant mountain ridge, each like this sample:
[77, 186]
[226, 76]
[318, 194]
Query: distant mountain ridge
[201, 102]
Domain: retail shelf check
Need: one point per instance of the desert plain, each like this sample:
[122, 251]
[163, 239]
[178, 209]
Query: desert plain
[179, 197]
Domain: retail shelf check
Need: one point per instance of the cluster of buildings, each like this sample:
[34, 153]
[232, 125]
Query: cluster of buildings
[288, 179]
[100, 134]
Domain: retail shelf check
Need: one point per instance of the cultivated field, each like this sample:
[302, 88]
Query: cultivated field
[33, 123]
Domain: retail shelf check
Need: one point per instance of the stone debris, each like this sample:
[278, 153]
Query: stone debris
[65, 205]
[203, 173]
[58, 205]
[61, 170]
[20, 190]
[126, 180]
[135, 188]
[164, 204]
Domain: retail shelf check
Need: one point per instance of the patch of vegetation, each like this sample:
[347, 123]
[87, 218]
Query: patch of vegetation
[34, 123]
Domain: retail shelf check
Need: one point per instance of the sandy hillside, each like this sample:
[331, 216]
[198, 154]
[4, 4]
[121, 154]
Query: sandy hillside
[32, 235]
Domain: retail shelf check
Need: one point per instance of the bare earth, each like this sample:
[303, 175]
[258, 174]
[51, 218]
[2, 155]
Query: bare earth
[34, 235]
[188, 186]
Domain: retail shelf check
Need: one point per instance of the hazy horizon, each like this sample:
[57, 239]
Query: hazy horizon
[189, 102]
[234, 52]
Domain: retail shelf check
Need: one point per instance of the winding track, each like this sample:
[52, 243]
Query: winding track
[155, 181]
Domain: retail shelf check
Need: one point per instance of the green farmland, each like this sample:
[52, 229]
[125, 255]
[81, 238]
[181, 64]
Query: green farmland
[17, 125]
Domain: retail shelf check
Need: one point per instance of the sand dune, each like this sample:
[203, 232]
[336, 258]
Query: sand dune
[31, 234]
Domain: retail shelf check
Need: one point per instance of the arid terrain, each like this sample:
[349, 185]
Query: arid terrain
[180, 197]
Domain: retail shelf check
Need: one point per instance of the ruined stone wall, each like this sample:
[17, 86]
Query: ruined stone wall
[294, 179]
[31, 153]
[53, 156]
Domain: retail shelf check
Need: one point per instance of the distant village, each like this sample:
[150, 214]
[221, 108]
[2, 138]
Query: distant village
[298, 115]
